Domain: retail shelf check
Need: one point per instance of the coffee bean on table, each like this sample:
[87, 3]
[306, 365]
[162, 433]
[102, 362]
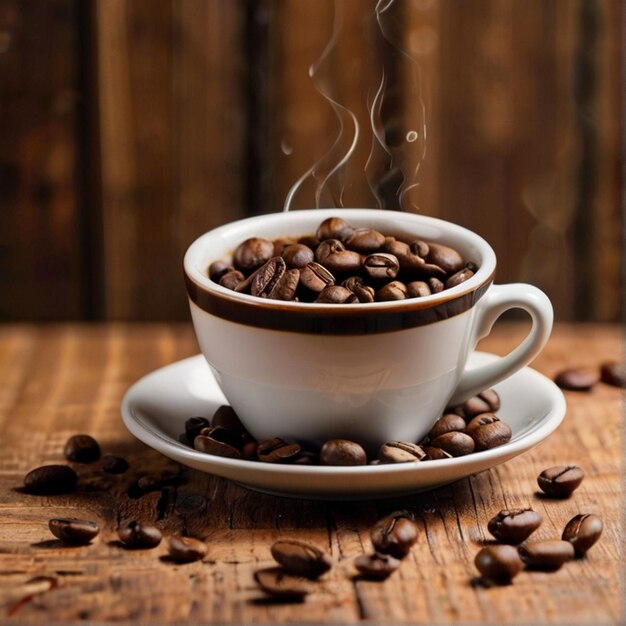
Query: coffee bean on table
[394, 534]
[400, 452]
[613, 374]
[488, 431]
[82, 449]
[376, 566]
[515, 525]
[582, 531]
[50, 480]
[499, 564]
[560, 481]
[139, 536]
[455, 443]
[73, 531]
[548, 555]
[276, 582]
[449, 422]
[301, 559]
[577, 379]
[112, 464]
[342, 452]
[194, 425]
[277, 451]
[186, 549]
[202, 443]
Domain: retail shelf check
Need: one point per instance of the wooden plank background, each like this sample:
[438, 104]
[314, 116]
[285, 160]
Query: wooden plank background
[129, 127]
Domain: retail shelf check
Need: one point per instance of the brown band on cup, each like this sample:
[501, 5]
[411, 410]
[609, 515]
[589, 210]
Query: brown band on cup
[335, 320]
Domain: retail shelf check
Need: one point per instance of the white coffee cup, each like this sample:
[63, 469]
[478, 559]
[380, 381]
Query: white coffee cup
[371, 372]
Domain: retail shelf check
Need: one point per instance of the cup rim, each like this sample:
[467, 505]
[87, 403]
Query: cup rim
[198, 281]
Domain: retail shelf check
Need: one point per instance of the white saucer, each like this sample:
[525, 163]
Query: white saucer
[155, 409]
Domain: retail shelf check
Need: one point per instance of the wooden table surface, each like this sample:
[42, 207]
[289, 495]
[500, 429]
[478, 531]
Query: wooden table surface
[66, 379]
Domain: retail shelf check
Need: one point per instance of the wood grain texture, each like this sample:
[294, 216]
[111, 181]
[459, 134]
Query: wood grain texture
[60, 380]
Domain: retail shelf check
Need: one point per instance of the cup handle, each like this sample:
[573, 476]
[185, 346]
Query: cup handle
[497, 300]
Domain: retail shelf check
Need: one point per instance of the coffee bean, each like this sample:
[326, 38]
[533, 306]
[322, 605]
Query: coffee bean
[394, 534]
[487, 401]
[363, 292]
[414, 266]
[343, 262]
[455, 443]
[498, 563]
[613, 374]
[394, 290]
[420, 248]
[297, 255]
[287, 285]
[459, 277]
[217, 269]
[436, 286]
[334, 228]
[277, 451]
[488, 431]
[448, 259]
[433, 454]
[266, 279]
[186, 549]
[560, 481]
[248, 451]
[232, 279]
[223, 435]
[342, 452]
[326, 248]
[50, 480]
[139, 536]
[315, 277]
[310, 241]
[582, 531]
[275, 581]
[547, 555]
[381, 266]
[280, 244]
[194, 425]
[400, 452]
[202, 443]
[73, 531]
[514, 526]
[111, 464]
[253, 253]
[376, 566]
[226, 417]
[449, 422]
[82, 449]
[366, 240]
[418, 289]
[301, 559]
[396, 247]
[157, 480]
[577, 379]
[335, 294]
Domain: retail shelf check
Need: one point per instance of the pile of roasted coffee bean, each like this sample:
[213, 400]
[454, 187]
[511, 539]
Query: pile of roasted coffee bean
[499, 564]
[470, 427]
[341, 264]
[585, 378]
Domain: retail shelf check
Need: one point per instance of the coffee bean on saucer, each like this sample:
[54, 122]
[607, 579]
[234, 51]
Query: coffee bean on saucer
[50, 480]
[582, 531]
[194, 425]
[248, 451]
[514, 526]
[499, 564]
[342, 452]
[202, 443]
[276, 582]
[433, 454]
[487, 401]
[400, 452]
[488, 431]
[394, 534]
[186, 549]
[277, 451]
[577, 379]
[224, 435]
[82, 449]
[301, 559]
[455, 443]
[226, 417]
[449, 422]
[613, 374]
[376, 566]
[73, 531]
[112, 464]
[560, 481]
[139, 536]
[546, 555]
